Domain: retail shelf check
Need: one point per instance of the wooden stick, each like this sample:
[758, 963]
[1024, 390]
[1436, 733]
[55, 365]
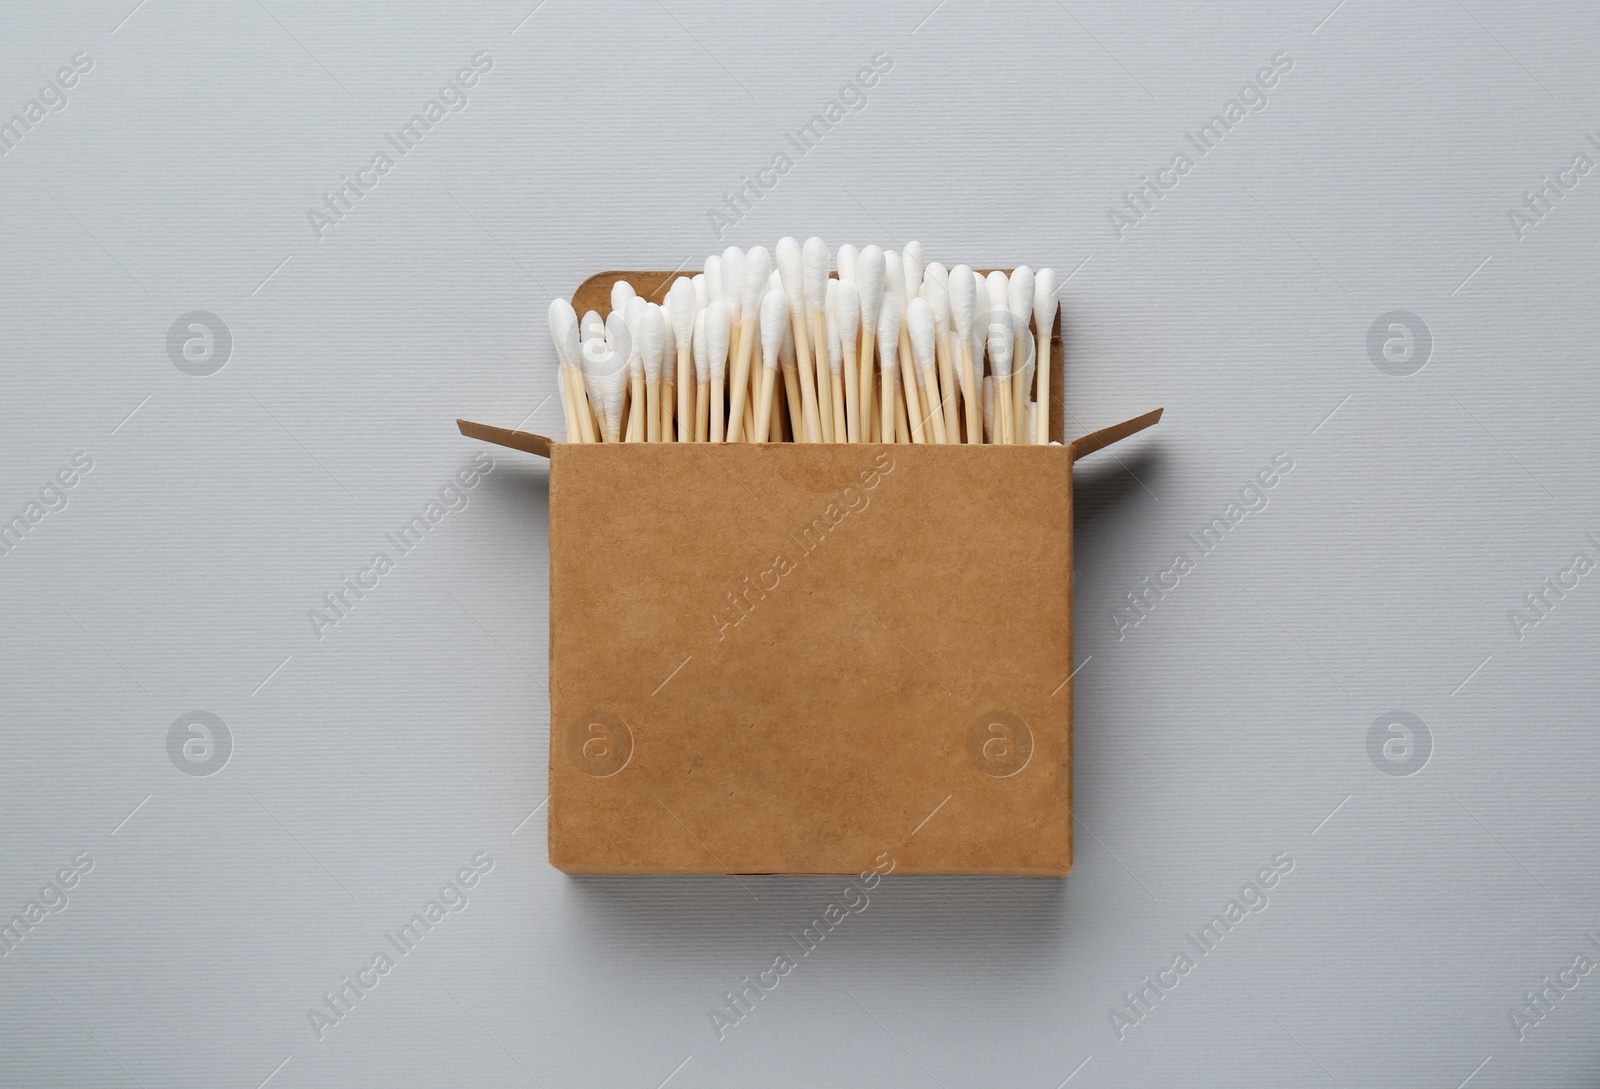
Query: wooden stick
[715, 407]
[685, 393]
[719, 390]
[1005, 404]
[588, 419]
[569, 412]
[901, 435]
[852, 394]
[905, 343]
[805, 377]
[921, 332]
[933, 415]
[869, 344]
[702, 410]
[887, 404]
[841, 430]
[971, 393]
[947, 388]
[814, 279]
[574, 421]
[764, 404]
[736, 345]
[1019, 385]
[798, 419]
[636, 407]
[741, 377]
[652, 414]
[908, 384]
[567, 339]
[819, 337]
[1041, 430]
[582, 414]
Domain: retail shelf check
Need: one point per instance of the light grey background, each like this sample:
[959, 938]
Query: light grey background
[1231, 725]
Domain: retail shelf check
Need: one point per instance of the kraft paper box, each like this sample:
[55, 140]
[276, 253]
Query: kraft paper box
[809, 658]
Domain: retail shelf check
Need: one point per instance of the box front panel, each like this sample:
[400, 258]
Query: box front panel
[804, 658]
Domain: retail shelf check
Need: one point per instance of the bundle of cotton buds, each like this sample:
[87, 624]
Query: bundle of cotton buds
[877, 347]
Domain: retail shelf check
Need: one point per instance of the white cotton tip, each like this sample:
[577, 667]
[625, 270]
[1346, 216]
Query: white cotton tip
[999, 292]
[847, 311]
[564, 330]
[871, 267]
[680, 301]
[733, 262]
[775, 282]
[593, 325]
[621, 292]
[830, 310]
[713, 275]
[963, 299]
[889, 333]
[1000, 342]
[717, 322]
[699, 349]
[814, 259]
[1046, 300]
[911, 263]
[936, 271]
[652, 341]
[624, 344]
[757, 268]
[1019, 297]
[619, 338]
[980, 318]
[593, 350]
[605, 377]
[613, 387]
[702, 290]
[939, 302]
[980, 291]
[847, 261]
[631, 313]
[774, 320]
[568, 349]
[894, 277]
[988, 408]
[919, 323]
[791, 270]
[561, 316]
[669, 344]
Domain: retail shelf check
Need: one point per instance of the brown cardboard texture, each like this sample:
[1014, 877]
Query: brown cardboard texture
[809, 658]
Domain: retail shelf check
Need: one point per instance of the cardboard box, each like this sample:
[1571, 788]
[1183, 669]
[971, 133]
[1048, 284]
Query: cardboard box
[797, 658]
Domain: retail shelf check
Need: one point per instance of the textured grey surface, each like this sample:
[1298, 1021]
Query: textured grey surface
[1228, 727]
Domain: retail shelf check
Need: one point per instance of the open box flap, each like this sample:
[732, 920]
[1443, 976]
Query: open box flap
[526, 441]
[531, 443]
